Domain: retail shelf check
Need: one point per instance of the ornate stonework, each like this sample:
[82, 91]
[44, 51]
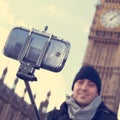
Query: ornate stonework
[103, 50]
[14, 107]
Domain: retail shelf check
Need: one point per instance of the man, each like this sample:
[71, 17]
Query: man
[85, 103]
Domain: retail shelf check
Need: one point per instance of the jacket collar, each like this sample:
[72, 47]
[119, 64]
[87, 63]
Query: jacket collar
[102, 108]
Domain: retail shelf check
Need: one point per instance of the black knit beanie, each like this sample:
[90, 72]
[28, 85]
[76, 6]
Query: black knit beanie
[88, 72]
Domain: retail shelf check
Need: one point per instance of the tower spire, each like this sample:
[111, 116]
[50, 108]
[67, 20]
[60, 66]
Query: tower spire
[44, 105]
[24, 93]
[15, 83]
[4, 74]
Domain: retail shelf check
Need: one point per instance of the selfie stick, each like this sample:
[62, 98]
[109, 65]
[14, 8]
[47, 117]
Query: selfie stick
[32, 99]
[26, 70]
[23, 73]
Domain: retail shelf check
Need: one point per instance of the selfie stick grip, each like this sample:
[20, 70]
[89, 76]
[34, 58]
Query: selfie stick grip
[32, 99]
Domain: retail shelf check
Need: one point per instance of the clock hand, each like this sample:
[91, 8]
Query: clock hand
[113, 17]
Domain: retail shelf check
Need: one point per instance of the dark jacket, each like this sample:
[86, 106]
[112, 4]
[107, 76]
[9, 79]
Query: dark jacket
[103, 113]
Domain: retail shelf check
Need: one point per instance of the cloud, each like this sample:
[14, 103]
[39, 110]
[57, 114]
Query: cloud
[53, 10]
[5, 18]
[5, 15]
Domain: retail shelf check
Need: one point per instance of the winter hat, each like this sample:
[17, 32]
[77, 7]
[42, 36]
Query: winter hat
[88, 72]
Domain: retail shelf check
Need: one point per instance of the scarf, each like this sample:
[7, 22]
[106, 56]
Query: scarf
[86, 113]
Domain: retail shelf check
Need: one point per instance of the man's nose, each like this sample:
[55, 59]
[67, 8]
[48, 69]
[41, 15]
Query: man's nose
[84, 86]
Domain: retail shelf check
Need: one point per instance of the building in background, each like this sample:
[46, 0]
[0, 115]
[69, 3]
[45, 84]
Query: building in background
[14, 107]
[103, 50]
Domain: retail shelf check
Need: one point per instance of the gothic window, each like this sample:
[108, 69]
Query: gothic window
[118, 35]
[112, 1]
[111, 34]
[108, 1]
[10, 114]
[104, 33]
[97, 32]
[1, 105]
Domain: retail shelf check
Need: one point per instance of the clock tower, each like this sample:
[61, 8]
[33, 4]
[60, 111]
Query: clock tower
[103, 50]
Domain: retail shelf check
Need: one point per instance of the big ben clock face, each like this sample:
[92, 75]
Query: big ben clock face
[111, 19]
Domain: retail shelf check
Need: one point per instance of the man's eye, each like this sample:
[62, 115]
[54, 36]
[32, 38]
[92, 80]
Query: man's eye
[92, 84]
[81, 82]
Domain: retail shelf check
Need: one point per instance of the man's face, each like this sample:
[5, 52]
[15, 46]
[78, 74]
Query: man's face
[84, 92]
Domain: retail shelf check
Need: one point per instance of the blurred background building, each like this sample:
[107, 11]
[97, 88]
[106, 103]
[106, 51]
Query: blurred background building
[14, 107]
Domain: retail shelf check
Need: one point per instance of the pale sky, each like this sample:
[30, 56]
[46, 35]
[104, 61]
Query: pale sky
[68, 19]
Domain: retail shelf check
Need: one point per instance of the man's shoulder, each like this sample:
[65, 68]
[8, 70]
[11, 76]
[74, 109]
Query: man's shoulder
[106, 113]
[63, 108]
[109, 112]
[57, 113]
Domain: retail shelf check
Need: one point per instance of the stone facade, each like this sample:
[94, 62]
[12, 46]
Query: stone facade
[103, 52]
[14, 107]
